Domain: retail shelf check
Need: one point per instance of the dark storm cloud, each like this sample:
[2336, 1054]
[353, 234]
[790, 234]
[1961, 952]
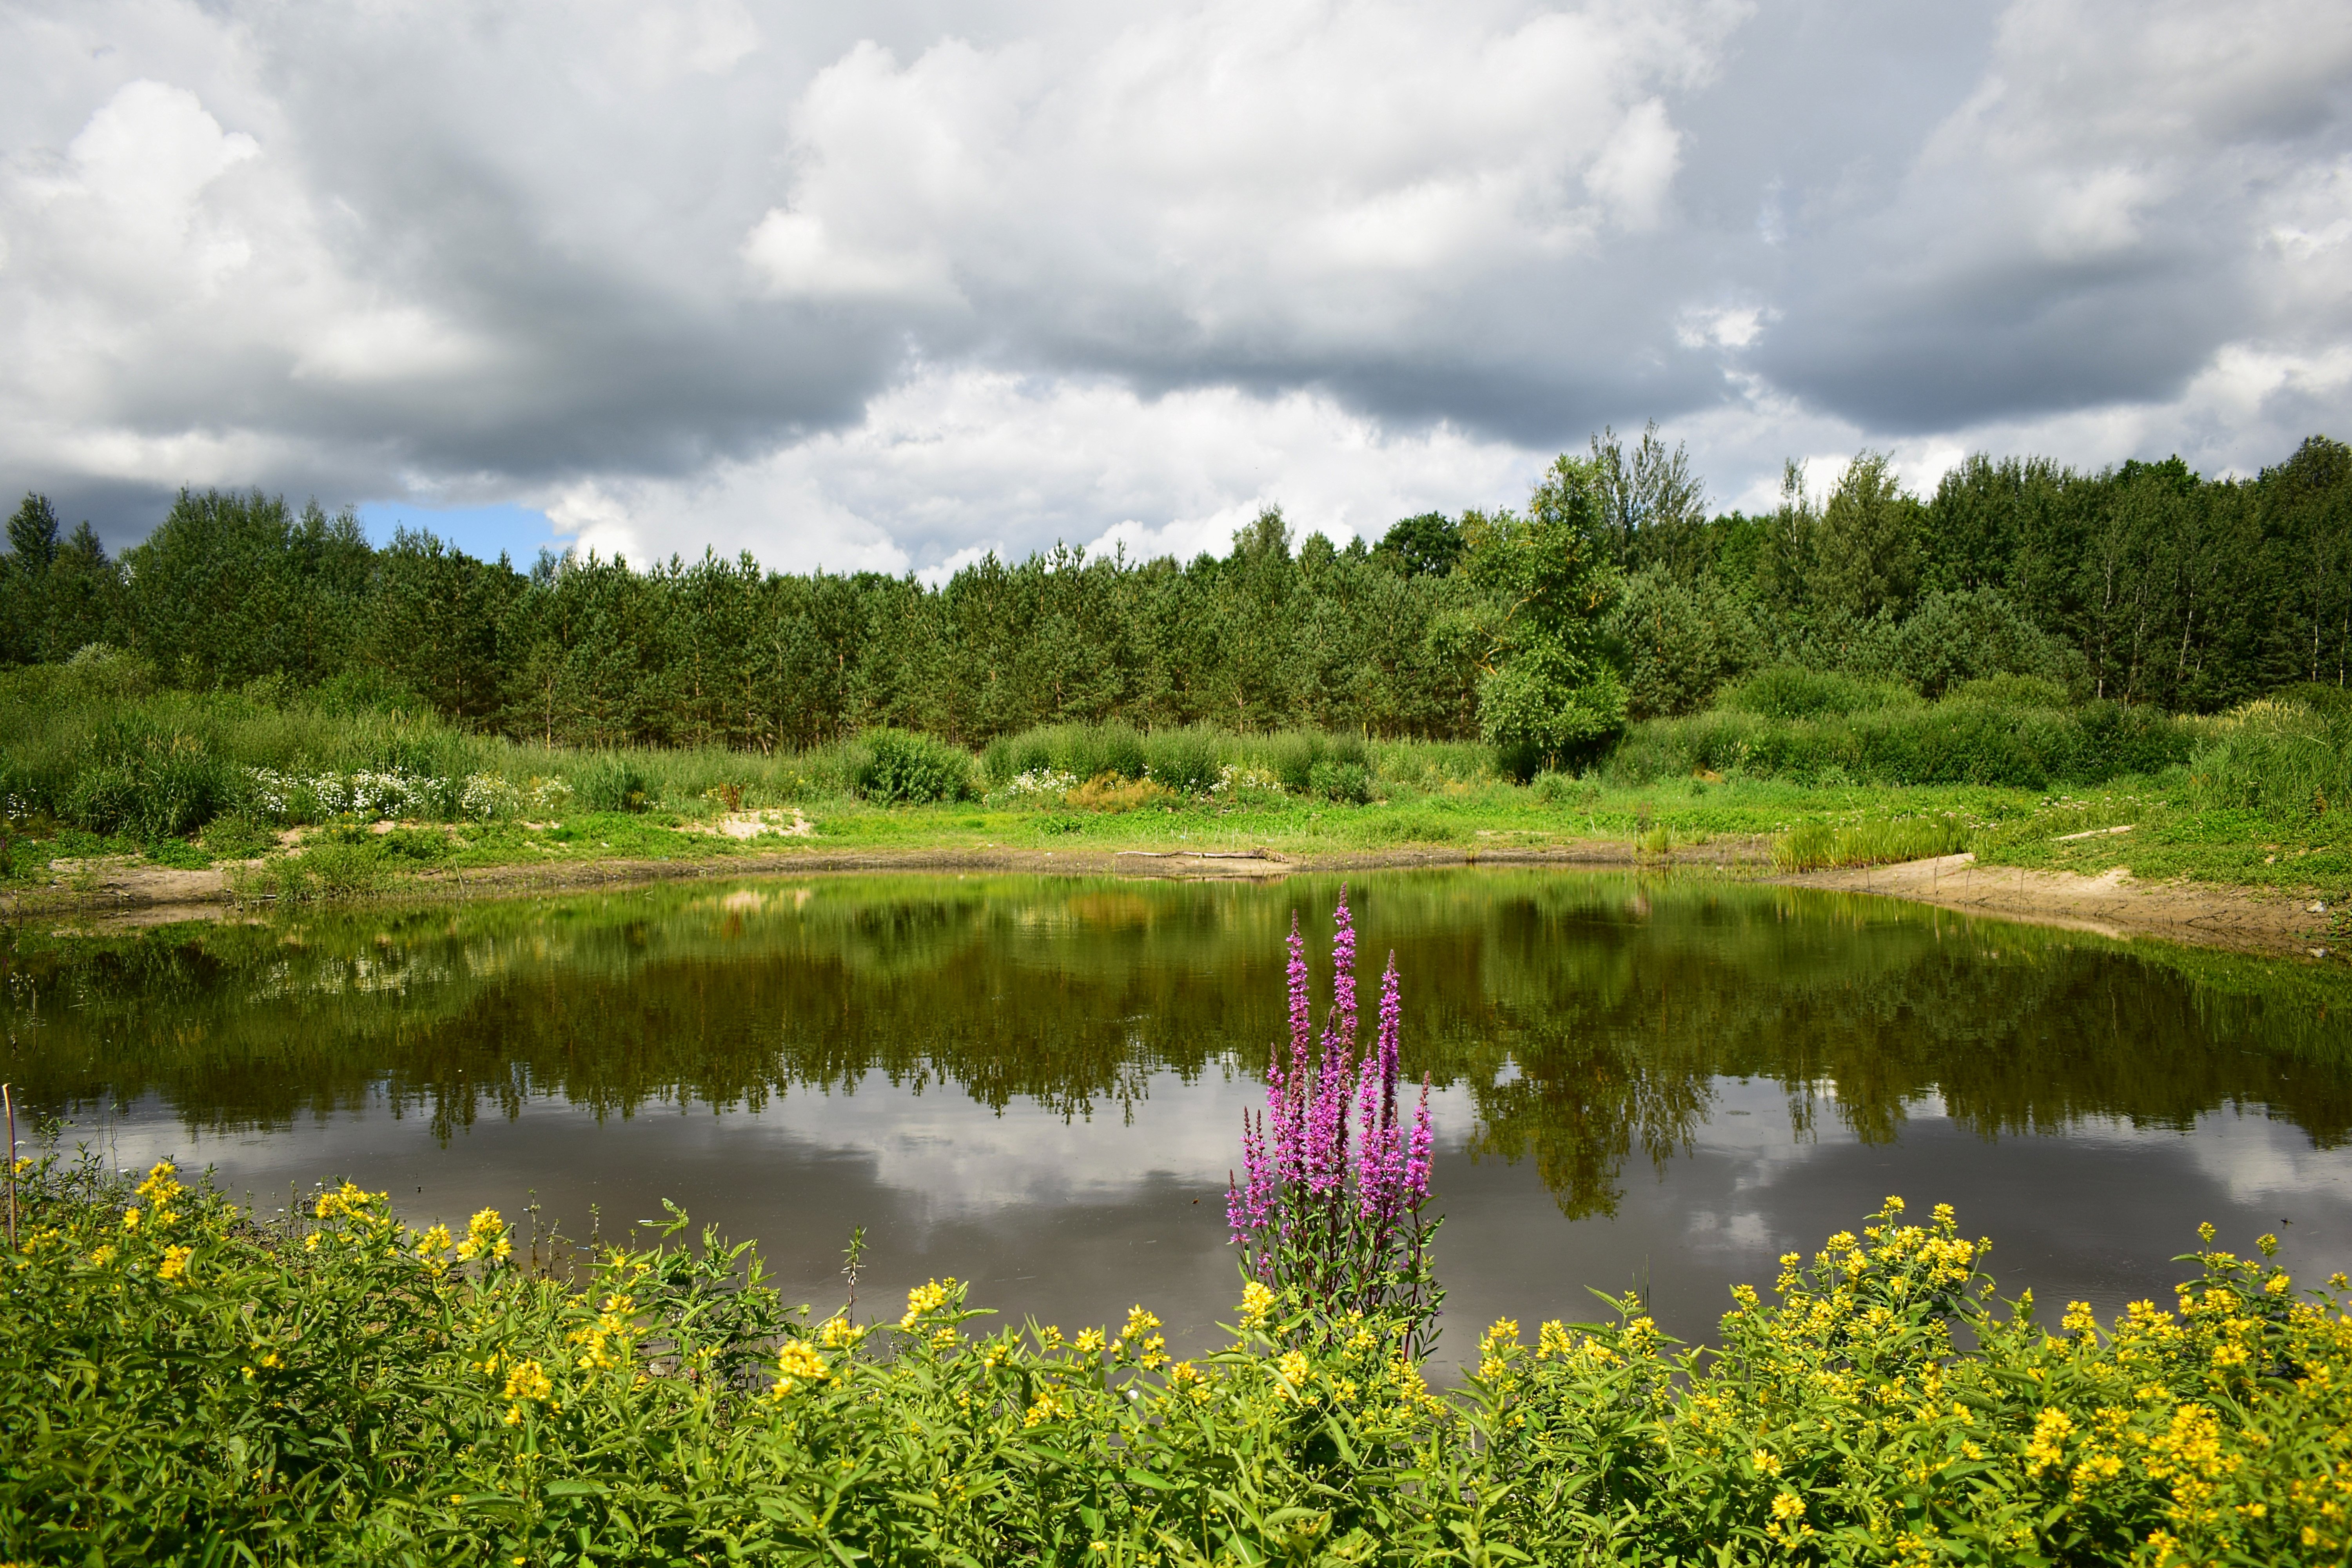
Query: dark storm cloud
[900, 282]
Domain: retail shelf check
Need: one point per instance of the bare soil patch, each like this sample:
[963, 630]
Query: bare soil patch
[2112, 905]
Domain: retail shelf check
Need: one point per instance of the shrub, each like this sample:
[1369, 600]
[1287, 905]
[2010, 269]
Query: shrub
[1348, 783]
[2329, 702]
[613, 781]
[1682, 642]
[1951, 743]
[341, 1388]
[1563, 789]
[1960, 636]
[1786, 692]
[1186, 761]
[897, 766]
[2276, 757]
[237, 837]
[1109, 792]
[2010, 691]
[100, 672]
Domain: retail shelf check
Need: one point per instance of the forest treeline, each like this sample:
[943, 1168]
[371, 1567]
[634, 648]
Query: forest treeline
[1613, 595]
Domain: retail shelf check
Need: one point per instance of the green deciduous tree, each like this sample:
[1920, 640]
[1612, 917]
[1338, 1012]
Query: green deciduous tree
[1551, 693]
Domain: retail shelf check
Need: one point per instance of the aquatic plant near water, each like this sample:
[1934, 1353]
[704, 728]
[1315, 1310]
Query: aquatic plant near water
[1339, 1235]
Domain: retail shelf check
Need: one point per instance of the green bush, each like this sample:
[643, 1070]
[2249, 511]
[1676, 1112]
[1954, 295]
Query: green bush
[2278, 757]
[1346, 783]
[2010, 691]
[1956, 637]
[613, 781]
[897, 766]
[1563, 789]
[2327, 700]
[343, 1389]
[1956, 741]
[237, 837]
[423, 845]
[1187, 761]
[144, 783]
[1785, 692]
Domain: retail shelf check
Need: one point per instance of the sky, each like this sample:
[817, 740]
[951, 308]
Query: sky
[891, 284]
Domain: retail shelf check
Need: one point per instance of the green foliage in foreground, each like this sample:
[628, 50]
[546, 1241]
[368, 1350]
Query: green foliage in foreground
[180, 1386]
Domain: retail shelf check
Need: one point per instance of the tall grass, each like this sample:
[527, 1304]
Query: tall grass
[1193, 760]
[2281, 757]
[1821, 845]
[1967, 738]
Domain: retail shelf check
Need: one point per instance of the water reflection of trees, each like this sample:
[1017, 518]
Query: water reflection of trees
[1589, 1016]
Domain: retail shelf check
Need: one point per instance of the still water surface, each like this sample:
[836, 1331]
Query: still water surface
[1036, 1084]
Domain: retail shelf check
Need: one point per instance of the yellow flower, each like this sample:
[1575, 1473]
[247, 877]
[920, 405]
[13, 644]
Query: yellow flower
[2045, 1447]
[1787, 1506]
[130, 1218]
[103, 1256]
[1257, 1300]
[1505, 1333]
[798, 1362]
[527, 1380]
[1764, 1461]
[1089, 1341]
[174, 1263]
[485, 1235]
[1291, 1372]
[835, 1332]
[162, 1184]
[1138, 1323]
[1047, 1406]
[924, 1299]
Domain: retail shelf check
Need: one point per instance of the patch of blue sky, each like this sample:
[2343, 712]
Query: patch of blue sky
[484, 532]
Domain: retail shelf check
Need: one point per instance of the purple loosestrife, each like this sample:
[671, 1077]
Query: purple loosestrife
[1341, 1234]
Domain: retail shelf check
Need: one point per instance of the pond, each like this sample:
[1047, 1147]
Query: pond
[1037, 1084]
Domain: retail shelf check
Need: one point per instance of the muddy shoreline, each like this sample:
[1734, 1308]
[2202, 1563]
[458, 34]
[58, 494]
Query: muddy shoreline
[2113, 905]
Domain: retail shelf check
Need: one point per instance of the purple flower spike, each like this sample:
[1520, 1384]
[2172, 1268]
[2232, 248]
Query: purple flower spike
[1344, 1227]
[1343, 973]
[1416, 1166]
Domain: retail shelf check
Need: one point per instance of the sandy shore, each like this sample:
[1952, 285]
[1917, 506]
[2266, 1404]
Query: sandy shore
[2114, 905]
[2204, 914]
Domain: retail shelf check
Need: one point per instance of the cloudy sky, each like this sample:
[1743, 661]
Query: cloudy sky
[889, 284]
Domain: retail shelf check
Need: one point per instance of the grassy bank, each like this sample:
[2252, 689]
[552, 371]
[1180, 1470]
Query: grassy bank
[327, 794]
[182, 1383]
